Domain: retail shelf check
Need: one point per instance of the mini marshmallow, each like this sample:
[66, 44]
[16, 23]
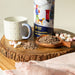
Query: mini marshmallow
[12, 42]
[57, 35]
[68, 35]
[73, 38]
[17, 45]
[63, 38]
[61, 35]
[68, 39]
[65, 35]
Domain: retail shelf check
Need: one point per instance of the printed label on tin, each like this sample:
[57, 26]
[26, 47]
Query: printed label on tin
[43, 17]
[40, 30]
[44, 12]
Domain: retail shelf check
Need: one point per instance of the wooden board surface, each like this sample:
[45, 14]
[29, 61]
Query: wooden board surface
[6, 63]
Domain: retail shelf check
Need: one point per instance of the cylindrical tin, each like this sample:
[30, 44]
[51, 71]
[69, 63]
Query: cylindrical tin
[43, 17]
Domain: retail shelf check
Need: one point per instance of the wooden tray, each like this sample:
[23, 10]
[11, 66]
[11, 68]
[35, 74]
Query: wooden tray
[37, 54]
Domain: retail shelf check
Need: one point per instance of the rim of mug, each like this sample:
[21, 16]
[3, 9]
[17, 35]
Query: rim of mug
[20, 20]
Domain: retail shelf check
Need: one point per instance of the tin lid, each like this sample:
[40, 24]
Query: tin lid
[42, 2]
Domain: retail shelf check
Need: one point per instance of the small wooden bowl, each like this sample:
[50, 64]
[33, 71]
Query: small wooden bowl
[61, 43]
[48, 45]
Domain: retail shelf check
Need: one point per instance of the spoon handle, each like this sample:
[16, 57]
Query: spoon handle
[67, 44]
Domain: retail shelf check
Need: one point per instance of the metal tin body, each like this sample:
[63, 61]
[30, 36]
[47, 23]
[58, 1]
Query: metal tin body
[43, 17]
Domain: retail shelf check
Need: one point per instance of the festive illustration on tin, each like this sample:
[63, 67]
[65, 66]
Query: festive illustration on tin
[44, 14]
[37, 16]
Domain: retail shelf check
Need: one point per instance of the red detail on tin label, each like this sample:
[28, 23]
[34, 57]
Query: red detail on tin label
[47, 14]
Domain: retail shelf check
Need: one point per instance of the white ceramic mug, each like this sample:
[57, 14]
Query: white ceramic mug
[14, 28]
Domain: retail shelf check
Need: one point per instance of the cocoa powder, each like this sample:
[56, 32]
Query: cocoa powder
[49, 39]
[29, 45]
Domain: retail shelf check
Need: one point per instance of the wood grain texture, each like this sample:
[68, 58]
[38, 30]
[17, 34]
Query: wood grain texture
[6, 63]
[24, 55]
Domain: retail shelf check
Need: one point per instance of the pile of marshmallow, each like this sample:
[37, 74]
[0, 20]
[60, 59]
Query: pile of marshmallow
[16, 45]
[65, 37]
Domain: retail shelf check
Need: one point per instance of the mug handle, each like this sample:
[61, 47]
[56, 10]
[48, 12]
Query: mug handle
[30, 31]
